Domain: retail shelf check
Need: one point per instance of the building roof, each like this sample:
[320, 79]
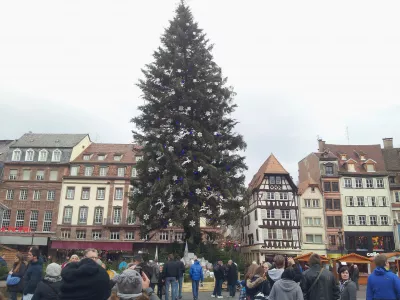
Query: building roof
[38, 140]
[392, 159]
[4, 146]
[302, 186]
[128, 152]
[354, 151]
[270, 166]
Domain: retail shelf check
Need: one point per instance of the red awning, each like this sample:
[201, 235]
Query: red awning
[97, 245]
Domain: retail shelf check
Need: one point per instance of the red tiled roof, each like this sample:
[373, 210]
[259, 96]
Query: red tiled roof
[270, 166]
[305, 184]
[128, 152]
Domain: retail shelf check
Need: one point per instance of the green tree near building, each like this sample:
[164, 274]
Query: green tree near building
[192, 166]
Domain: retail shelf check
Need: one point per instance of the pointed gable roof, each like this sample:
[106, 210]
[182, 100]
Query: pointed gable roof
[270, 166]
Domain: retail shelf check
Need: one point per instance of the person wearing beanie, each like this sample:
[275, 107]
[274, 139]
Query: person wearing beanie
[286, 288]
[49, 287]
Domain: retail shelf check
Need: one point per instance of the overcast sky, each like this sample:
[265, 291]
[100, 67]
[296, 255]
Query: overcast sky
[301, 69]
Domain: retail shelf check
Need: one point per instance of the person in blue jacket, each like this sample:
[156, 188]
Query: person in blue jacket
[196, 273]
[382, 284]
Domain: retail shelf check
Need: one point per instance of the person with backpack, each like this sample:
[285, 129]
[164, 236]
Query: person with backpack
[49, 287]
[15, 279]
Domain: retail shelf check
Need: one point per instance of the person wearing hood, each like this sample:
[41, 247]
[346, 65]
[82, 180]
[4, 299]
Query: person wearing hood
[33, 275]
[49, 287]
[196, 274]
[275, 274]
[348, 289]
[256, 283]
[382, 284]
[286, 288]
[85, 280]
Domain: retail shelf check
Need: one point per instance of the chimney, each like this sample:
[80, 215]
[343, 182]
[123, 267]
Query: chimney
[388, 143]
[321, 145]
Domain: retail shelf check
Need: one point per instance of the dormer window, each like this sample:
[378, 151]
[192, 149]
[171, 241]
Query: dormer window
[362, 157]
[351, 167]
[328, 170]
[29, 155]
[43, 155]
[117, 157]
[56, 156]
[101, 157]
[370, 168]
[16, 156]
[343, 156]
[86, 157]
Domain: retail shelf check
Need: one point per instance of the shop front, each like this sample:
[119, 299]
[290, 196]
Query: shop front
[369, 244]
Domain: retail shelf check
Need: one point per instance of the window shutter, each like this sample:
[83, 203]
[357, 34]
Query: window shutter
[355, 201]
[343, 182]
[264, 234]
[277, 214]
[293, 214]
[295, 235]
[368, 220]
[263, 214]
[374, 183]
[390, 220]
[347, 201]
[379, 220]
[279, 234]
[369, 201]
[357, 220]
[380, 202]
[346, 220]
[290, 196]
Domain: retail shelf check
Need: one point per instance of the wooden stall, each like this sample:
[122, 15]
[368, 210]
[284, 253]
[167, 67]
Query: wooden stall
[306, 257]
[362, 262]
[9, 254]
[393, 259]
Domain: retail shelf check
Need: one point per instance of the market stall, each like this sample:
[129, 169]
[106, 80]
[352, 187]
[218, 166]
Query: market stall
[363, 263]
[393, 259]
[303, 259]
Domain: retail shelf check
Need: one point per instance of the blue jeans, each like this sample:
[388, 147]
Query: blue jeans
[232, 290]
[180, 282]
[218, 287]
[195, 289]
[171, 281]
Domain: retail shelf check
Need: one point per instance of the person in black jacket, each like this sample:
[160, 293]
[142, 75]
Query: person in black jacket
[49, 287]
[219, 274]
[18, 270]
[296, 269]
[171, 274]
[256, 282]
[232, 278]
[180, 278]
[34, 273]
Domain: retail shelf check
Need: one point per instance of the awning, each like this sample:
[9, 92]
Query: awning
[23, 240]
[96, 245]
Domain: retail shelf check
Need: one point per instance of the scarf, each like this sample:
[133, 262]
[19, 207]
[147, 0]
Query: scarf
[343, 285]
[52, 279]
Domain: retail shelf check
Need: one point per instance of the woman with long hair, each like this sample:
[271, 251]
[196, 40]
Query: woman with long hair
[348, 289]
[18, 270]
[256, 282]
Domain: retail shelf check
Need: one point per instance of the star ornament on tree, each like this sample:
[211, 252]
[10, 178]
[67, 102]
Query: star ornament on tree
[192, 223]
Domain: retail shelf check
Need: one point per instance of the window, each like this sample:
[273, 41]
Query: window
[309, 221]
[278, 180]
[29, 154]
[13, 175]
[74, 171]
[86, 157]
[33, 222]
[98, 215]
[47, 221]
[317, 221]
[329, 204]
[351, 220]
[19, 222]
[287, 234]
[65, 234]
[351, 168]
[164, 235]
[26, 175]
[285, 214]
[16, 156]
[23, 194]
[360, 201]
[117, 215]
[312, 189]
[327, 186]
[373, 220]
[83, 215]
[359, 183]
[392, 179]
[334, 221]
[37, 194]
[10, 195]
[85, 194]
[362, 220]
[70, 195]
[6, 218]
[257, 237]
[373, 201]
[67, 215]
[270, 196]
[283, 196]
[370, 183]
[114, 235]
[139, 158]
[40, 175]
[42, 155]
[119, 193]
[103, 171]
[314, 238]
[56, 156]
[129, 235]
[384, 220]
[315, 202]
[88, 171]
[118, 158]
[255, 215]
[53, 175]
[343, 156]
[335, 186]
[101, 194]
[270, 214]
[347, 183]
[96, 234]
[121, 172]
[397, 196]
[51, 195]
[133, 172]
[179, 236]
[370, 168]
[328, 170]
[332, 240]
[336, 204]
[383, 201]
[101, 157]
[272, 234]
[379, 183]
[81, 234]
[307, 202]
[131, 217]
[350, 201]
[272, 179]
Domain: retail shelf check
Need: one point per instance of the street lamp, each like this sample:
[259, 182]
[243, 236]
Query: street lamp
[341, 242]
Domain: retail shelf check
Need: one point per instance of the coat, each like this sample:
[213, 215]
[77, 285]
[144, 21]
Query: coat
[232, 274]
[325, 288]
[349, 291]
[285, 289]
[383, 284]
[20, 286]
[33, 276]
[257, 285]
[196, 271]
[47, 290]
[219, 272]
[172, 269]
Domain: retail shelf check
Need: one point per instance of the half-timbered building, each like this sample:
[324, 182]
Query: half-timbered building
[271, 224]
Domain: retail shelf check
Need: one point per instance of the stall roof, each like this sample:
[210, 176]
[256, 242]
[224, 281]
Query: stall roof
[388, 255]
[354, 258]
[306, 257]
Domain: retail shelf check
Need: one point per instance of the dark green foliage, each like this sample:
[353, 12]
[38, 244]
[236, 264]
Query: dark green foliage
[191, 166]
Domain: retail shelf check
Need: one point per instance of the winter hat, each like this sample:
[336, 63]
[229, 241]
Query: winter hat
[129, 284]
[288, 274]
[53, 270]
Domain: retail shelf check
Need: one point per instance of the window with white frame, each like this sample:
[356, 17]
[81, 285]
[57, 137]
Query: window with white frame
[29, 154]
[33, 221]
[373, 220]
[379, 183]
[98, 215]
[6, 218]
[13, 175]
[373, 201]
[85, 194]
[272, 234]
[10, 195]
[74, 170]
[26, 175]
[37, 194]
[16, 156]
[88, 171]
[86, 157]
[285, 214]
[164, 235]
[317, 221]
[131, 217]
[117, 157]
[370, 183]
[19, 221]
[384, 202]
[286, 234]
[65, 234]
[53, 175]
[359, 183]
[347, 183]
[51, 195]
[129, 235]
[56, 156]
[101, 157]
[103, 171]
[96, 234]
[121, 172]
[315, 202]
[139, 158]
[307, 202]
[351, 220]
[309, 221]
[40, 175]
[67, 214]
[133, 172]
[314, 238]
[350, 201]
[384, 220]
[283, 196]
[117, 215]
[119, 193]
[270, 196]
[43, 155]
[360, 201]
[83, 215]
[351, 167]
[81, 234]
[271, 180]
[101, 194]
[179, 236]
[114, 235]
[48, 215]
[70, 194]
[270, 214]
[362, 220]
[23, 194]
[370, 168]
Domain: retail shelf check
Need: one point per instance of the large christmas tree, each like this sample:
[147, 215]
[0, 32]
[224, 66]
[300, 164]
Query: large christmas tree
[191, 167]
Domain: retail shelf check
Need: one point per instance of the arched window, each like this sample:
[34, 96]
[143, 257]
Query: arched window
[56, 155]
[16, 156]
[43, 155]
[29, 154]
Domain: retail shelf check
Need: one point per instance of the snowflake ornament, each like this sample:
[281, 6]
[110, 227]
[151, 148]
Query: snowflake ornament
[194, 143]
[194, 80]
[198, 191]
[179, 70]
[242, 209]
[146, 217]
[185, 203]
[151, 169]
[208, 113]
[192, 223]
[170, 148]
[214, 161]
[180, 108]
[175, 178]
[209, 212]
[209, 90]
[199, 134]
[200, 169]
[189, 108]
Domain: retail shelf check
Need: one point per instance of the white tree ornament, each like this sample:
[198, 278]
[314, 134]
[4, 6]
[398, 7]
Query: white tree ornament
[146, 217]
[200, 169]
[192, 223]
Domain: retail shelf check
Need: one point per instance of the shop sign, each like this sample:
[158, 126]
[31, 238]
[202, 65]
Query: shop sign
[15, 229]
[372, 254]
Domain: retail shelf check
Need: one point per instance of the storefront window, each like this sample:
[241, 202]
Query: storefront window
[361, 243]
[377, 243]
